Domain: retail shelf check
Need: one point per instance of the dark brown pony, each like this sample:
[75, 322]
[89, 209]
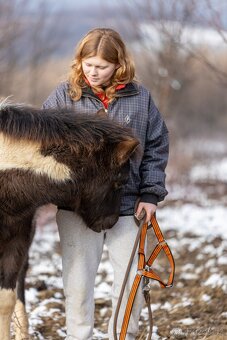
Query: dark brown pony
[77, 162]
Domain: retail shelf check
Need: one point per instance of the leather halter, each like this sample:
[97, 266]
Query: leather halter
[143, 271]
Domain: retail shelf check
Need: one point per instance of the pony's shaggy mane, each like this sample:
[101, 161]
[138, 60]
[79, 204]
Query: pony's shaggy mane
[59, 126]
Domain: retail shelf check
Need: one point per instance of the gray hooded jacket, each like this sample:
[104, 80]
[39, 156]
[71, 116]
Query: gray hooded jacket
[134, 108]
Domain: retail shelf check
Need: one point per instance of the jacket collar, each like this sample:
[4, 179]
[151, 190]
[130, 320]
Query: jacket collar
[130, 89]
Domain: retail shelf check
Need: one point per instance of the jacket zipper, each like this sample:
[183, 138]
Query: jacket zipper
[98, 100]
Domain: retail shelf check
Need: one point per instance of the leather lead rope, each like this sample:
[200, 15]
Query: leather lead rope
[126, 278]
[143, 271]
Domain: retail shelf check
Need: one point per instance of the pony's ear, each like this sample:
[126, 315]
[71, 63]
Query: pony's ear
[125, 149]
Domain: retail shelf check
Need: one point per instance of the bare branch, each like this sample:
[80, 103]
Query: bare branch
[216, 21]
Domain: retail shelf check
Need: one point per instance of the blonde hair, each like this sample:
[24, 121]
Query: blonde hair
[108, 45]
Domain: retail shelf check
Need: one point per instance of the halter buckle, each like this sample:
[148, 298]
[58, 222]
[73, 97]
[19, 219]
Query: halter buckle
[140, 272]
[146, 284]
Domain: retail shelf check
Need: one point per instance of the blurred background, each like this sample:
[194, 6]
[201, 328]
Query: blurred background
[180, 52]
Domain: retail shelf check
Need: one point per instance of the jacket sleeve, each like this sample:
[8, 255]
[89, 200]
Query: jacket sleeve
[155, 158]
[57, 99]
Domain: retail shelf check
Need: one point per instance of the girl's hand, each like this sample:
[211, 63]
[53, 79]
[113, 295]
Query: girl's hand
[148, 208]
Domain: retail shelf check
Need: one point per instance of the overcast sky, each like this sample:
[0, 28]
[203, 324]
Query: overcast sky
[82, 3]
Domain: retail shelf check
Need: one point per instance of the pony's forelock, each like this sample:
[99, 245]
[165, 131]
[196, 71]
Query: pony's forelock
[4, 102]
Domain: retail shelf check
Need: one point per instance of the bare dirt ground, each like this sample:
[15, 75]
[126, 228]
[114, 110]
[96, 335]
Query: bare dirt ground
[203, 305]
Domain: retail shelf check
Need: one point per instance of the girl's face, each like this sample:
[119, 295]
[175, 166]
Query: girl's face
[98, 71]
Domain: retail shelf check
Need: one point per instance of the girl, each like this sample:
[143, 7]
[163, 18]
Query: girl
[102, 76]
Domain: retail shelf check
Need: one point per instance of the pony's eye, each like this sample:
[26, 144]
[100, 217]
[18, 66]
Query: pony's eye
[118, 181]
[117, 185]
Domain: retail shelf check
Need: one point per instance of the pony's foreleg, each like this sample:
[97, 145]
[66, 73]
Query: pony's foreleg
[7, 304]
[20, 319]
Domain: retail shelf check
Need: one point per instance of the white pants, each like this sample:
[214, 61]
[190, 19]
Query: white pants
[81, 254]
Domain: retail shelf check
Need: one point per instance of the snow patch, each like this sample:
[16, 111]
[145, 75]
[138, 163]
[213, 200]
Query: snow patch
[215, 280]
[205, 298]
[216, 171]
[187, 321]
